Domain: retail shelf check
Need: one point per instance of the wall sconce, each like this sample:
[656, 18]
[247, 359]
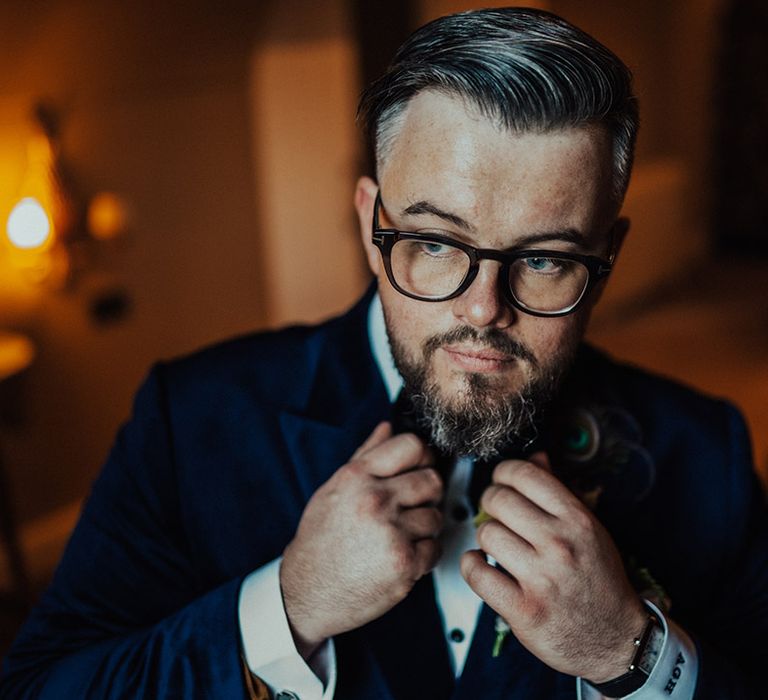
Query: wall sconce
[52, 231]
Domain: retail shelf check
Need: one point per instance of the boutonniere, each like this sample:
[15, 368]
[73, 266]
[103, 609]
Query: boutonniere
[597, 449]
[502, 630]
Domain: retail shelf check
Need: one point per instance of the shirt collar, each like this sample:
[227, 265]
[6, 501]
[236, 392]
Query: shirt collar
[382, 354]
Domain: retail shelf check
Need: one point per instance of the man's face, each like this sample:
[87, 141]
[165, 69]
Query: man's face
[453, 171]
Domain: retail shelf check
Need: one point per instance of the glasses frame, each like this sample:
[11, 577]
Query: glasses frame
[385, 238]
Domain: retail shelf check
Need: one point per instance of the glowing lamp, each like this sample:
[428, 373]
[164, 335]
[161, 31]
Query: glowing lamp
[107, 216]
[29, 225]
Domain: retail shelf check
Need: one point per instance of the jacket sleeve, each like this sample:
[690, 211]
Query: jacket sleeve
[126, 615]
[733, 639]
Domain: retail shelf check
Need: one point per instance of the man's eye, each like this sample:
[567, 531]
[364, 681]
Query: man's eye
[436, 250]
[543, 265]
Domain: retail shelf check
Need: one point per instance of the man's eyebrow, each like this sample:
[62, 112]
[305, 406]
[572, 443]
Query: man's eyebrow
[568, 235]
[424, 207]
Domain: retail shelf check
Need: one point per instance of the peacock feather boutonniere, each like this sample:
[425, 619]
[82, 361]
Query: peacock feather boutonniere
[597, 450]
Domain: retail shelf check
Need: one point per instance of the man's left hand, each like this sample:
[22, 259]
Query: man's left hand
[563, 591]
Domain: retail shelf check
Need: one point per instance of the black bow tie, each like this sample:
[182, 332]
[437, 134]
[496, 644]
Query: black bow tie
[481, 479]
[482, 472]
[404, 420]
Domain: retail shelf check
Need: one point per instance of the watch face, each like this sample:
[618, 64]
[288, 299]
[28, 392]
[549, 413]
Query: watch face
[652, 651]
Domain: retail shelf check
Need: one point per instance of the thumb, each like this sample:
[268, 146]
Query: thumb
[381, 433]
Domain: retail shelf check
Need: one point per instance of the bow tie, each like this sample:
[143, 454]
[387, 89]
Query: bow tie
[404, 420]
[481, 479]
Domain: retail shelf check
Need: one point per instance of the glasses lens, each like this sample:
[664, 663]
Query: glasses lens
[428, 269]
[548, 285]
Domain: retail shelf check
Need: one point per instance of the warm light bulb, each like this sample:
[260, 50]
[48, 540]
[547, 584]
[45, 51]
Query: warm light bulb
[28, 224]
[107, 216]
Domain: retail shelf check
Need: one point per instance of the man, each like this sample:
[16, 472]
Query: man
[263, 526]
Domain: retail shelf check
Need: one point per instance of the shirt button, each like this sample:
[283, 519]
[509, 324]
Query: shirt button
[459, 513]
[456, 635]
[286, 695]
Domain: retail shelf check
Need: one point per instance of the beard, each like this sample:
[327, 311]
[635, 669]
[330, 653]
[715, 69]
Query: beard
[484, 419]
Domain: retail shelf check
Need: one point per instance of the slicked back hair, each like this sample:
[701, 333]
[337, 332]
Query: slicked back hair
[527, 70]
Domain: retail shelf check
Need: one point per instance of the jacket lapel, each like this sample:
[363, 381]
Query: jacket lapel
[404, 649]
[342, 399]
[318, 449]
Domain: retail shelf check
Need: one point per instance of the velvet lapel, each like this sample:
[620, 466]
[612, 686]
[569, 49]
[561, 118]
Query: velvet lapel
[404, 649]
[344, 399]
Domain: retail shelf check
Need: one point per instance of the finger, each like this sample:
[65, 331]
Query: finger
[500, 590]
[417, 487]
[513, 553]
[420, 523]
[394, 456]
[517, 513]
[539, 486]
[382, 432]
[428, 553]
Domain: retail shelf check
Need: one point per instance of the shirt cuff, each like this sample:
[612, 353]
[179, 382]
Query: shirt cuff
[674, 675]
[268, 643]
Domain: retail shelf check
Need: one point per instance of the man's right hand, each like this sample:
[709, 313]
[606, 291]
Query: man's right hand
[366, 536]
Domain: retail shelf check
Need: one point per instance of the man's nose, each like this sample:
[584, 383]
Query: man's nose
[482, 305]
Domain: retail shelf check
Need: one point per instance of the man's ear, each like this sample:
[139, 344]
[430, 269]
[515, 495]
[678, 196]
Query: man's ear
[365, 197]
[618, 234]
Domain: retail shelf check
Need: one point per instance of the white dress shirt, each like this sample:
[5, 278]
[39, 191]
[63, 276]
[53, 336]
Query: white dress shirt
[268, 643]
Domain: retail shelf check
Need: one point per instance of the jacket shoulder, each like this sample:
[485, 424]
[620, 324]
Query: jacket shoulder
[273, 366]
[650, 394]
[706, 438]
[262, 352]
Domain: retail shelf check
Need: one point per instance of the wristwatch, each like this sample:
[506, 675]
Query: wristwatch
[647, 650]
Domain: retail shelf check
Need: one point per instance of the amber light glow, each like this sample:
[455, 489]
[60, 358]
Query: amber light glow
[29, 225]
[107, 216]
[34, 220]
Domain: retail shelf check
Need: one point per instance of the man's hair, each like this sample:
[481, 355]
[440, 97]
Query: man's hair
[528, 70]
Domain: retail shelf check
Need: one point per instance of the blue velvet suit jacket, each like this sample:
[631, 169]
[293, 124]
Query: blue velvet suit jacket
[208, 480]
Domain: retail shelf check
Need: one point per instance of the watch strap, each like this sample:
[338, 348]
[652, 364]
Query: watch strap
[636, 676]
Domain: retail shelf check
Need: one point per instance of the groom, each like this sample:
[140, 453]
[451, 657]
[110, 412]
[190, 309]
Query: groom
[531, 521]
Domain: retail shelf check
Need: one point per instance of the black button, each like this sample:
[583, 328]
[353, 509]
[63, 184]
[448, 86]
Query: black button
[457, 635]
[459, 513]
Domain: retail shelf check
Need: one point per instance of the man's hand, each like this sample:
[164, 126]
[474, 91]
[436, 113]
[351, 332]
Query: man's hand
[366, 536]
[565, 595]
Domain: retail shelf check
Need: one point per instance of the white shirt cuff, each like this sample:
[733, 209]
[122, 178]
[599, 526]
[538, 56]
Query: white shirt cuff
[674, 675]
[268, 643]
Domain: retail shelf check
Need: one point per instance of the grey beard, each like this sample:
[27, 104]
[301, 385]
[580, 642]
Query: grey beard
[480, 421]
[483, 424]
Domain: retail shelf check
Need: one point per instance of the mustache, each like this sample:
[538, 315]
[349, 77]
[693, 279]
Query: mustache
[492, 338]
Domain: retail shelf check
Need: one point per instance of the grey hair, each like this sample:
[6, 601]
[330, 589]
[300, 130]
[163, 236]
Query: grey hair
[528, 70]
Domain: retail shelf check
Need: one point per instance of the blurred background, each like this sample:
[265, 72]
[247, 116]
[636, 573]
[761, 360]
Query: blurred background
[167, 169]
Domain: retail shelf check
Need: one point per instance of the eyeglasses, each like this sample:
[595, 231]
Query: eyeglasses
[433, 267]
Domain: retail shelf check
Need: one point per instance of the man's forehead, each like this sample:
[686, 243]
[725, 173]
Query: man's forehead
[448, 154]
[442, 128]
